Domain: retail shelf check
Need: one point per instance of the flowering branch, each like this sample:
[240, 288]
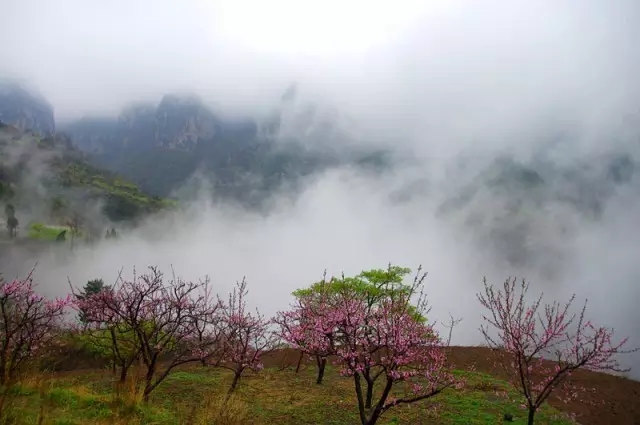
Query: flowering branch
[541, 347]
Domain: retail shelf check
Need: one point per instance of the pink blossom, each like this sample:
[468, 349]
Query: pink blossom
[30, 323]
[543, 344]
[373, 335]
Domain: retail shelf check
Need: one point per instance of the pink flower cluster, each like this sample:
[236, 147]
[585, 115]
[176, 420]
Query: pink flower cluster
[375, 334]
[179, 320]
[246, 336]
[542, 345]
[28, 323]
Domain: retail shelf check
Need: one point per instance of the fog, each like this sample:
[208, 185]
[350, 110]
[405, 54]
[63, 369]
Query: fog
[437, 79]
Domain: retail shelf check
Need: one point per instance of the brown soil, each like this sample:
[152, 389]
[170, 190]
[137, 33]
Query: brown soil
[614, 401]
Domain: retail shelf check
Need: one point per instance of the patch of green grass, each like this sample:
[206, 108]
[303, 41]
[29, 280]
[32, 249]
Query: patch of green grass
[270, 397]
[45, 232]
[49, 232]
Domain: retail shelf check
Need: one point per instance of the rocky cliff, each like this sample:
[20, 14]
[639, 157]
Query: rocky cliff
[161, 146]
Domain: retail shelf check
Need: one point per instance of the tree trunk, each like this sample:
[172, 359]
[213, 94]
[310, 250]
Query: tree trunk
[299, 361]
[377, 412]
[322, 363]
[532, 412]
[145, 396]
[3, 372]
[367, 377]
[361, 409]
[148, 380]
[123, 373]
[369, 399]
[234, 383]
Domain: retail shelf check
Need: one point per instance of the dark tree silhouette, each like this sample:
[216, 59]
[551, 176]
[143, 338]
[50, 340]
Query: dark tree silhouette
[61, 236]
[12, 226]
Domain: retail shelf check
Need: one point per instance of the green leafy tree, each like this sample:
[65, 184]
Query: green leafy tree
[371, 288]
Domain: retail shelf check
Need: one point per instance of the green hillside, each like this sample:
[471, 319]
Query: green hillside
[48, 181]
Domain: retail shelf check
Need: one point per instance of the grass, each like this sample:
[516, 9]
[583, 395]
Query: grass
[45, 232]
[193, 396]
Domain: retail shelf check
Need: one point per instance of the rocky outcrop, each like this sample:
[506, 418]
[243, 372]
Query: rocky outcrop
[25, 109]
[183, 121]
[160, 146]
[177, 122]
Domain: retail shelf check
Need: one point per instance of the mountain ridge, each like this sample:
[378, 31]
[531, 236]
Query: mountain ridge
[161, 146]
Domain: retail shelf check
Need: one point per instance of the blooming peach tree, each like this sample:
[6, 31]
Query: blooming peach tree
[306, 327]
[29, 323]
[380, 332]
[540, 346]
[155, 321]
[245, 336]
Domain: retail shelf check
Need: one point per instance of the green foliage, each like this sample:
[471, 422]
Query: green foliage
[43, 232]
[120, 341]
[70, 170]
[371, 286]
[124, 200]
[92, 287]
[100, 342]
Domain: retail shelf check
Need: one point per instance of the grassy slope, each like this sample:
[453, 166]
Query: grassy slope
[79, 174]
[123, 199]
[271, 397]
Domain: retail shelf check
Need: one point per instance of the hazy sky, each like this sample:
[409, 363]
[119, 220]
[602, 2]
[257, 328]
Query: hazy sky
[438, 76]
[453, 62]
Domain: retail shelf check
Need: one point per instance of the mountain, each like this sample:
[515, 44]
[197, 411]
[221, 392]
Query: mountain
[45, 179]
[527, 211]
[160, 147]
[25, 108]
